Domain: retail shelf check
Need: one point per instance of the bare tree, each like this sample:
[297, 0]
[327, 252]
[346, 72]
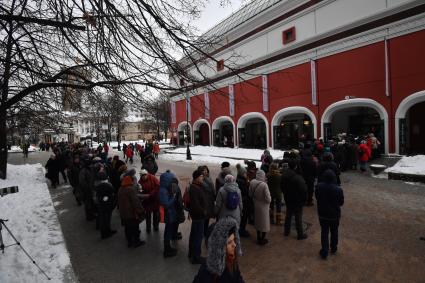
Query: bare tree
[47, 46]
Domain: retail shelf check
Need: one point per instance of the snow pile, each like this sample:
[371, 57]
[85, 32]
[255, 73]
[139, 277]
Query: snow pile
[237, 153]
[409, 165]
[33, 221]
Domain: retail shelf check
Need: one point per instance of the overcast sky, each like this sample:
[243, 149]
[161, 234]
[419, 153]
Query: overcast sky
[214, 13]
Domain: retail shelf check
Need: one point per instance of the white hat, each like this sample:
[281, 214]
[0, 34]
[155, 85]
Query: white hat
[143, 172]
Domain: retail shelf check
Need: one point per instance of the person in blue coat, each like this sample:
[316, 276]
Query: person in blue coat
[330, 198]
[167, 199]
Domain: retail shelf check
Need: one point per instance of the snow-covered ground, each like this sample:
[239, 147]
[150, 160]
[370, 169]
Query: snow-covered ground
[16, 148]
[33, 221]
[216, 155]
[409, 165]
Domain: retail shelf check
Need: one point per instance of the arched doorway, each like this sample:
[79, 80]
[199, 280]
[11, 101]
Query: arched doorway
[358, 117]
[223, 132]
[293, 125]
[201, 132]
[253, 131]
[183, 132]
[410, 125]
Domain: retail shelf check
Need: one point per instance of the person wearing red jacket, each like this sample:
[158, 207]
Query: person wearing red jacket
[364, 155]
[129, 154]
[156, 150]
[150, 193]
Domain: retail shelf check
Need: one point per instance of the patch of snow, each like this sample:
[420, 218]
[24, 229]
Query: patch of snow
[17, 148]
[198, 159]
[409, 165]
[33, 221]
[239, 153]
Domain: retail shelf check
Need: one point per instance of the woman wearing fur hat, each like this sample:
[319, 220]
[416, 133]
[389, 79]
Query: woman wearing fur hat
[260, 193]
[222, 206]
[223, 250]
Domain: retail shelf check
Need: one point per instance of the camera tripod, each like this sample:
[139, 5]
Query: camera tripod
[2, 246]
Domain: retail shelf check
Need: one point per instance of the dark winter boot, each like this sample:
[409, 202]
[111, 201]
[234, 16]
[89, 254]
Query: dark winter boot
[169, 251]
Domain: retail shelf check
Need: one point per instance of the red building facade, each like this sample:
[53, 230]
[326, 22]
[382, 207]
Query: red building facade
[367, 77]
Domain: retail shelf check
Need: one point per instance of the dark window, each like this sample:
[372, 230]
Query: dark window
[288, 35]
[220, 65]
[181, 82]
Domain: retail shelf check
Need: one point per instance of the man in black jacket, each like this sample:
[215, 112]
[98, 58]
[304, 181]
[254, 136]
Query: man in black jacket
[294, 192]
[105, 194]
[330, 198]
[309, 169]
[197, 212]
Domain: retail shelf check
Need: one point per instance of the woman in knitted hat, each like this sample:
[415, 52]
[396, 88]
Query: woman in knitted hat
[224, 248]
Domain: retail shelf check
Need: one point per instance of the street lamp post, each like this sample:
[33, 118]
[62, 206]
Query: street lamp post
[188, 155]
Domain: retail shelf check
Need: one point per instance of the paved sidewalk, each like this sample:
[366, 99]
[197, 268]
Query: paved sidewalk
[381, 224]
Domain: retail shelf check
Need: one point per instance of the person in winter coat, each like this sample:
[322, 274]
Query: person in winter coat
[167, 199]
[328, 163]
[73, 177]
[266, 160]
[352, 155]
[124, 150]
[309, 172]
[61, 163]
[150, 165]
[294, 192]
[52, 170]
[260, 193]
[198, 213]
[364, 155]
[219, 181]
[222, 208]
[273, 181]
[105, 194]
[131, 212]
[156, 150]
[330, 198]
[150, 189]
[129, 154]
[86, 183]
[242, 181]
[224, 248]
[210, 196]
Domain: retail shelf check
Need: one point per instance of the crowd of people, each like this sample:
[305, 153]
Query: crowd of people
[219, 211]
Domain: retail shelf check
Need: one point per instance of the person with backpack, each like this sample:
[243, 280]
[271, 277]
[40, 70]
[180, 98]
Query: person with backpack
[167, 199]
[330, 198]
[294, 192]
[198, 213]
[260, 193]
[229, 200]
[225, 170]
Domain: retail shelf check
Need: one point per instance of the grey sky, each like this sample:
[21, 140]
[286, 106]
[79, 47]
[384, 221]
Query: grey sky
[214, 13]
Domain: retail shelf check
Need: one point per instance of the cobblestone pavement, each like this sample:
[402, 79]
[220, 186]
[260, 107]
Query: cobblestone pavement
[381, 224]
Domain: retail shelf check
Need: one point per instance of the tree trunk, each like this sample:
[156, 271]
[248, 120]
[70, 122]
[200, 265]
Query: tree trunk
[3, 109]
[3, 145]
